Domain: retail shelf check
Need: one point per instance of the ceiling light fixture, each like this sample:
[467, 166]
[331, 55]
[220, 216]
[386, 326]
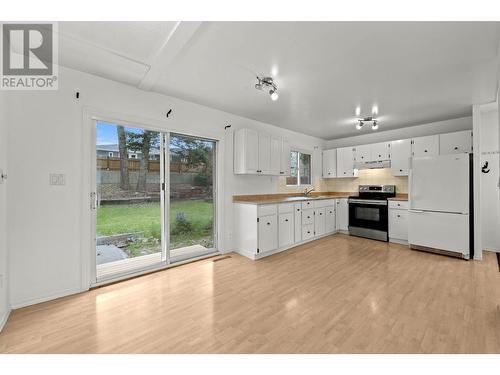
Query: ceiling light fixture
[361, 122]
[268, 83]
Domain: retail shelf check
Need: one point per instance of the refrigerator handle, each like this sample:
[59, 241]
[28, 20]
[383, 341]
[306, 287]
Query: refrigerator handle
[417, 211]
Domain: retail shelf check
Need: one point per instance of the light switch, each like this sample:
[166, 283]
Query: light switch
[58, 179]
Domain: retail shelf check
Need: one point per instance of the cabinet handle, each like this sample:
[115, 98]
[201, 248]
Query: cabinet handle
[380, 156]
[282, 172]
[309, 217]
[268, 223]
[399, 215]
[286, 219]
[401, 170]
[308, 232]
[321, 213]
[455, 148]
[425, 150]
[298, 209]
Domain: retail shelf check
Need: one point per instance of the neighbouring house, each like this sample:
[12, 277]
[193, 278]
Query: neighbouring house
[112, 151]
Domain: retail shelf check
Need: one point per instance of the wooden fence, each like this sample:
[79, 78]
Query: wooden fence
[113, 164]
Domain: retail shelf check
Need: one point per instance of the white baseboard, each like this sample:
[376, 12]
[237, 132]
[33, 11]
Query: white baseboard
[48, 297]
[3, 319]
[395, 240]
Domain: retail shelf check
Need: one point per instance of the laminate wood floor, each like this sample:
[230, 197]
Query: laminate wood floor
[339, 294]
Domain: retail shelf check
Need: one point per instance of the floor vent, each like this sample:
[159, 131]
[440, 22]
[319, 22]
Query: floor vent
[221, 258]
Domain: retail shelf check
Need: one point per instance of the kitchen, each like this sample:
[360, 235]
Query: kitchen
[268, 224]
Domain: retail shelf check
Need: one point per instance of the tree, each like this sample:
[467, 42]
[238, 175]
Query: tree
[143, 141]
[122, 148]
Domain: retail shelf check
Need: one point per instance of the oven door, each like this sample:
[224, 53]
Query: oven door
[369, 214]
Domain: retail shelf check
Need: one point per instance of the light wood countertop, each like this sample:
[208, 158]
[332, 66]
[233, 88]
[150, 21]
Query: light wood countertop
[288, 197]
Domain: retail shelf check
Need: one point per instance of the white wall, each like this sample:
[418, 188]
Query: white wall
[490, 204]
[447, 126]
[48, 226]
[4, 305]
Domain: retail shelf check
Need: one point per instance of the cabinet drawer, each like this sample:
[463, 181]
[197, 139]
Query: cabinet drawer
[267, 209]
[307, 232]
[401, 205]
[307, 204]
[307, 217]
[284, 208]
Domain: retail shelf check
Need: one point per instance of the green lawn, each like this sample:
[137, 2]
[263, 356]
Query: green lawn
[144, 219]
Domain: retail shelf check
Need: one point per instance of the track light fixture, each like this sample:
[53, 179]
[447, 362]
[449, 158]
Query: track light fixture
[267, 83]
[361, 122]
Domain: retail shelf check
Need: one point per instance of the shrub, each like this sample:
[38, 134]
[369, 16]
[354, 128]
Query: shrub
[182, 225]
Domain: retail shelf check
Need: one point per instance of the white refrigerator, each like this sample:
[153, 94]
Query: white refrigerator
[439, 197]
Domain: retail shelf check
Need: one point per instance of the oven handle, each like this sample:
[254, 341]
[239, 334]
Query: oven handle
[372, 202]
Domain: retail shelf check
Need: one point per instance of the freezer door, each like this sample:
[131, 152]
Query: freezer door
[440, 183]
[439, 230]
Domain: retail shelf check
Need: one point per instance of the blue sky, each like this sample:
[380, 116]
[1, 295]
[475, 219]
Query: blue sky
[106, 133]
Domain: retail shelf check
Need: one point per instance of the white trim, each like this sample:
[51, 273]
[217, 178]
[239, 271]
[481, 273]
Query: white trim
[4, 318]
[398, 241]
[45, 298]
[92, 114]
[476, 175]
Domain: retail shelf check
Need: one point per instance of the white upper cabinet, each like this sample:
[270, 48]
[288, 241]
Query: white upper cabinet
[246, 151]
[455, 143]
[345, 162]
[363, 153]
[380, 151]
[264, 153]
[425, 146]
[285, 158]
[400, 157]
[260, 153]
[275, 156]
[330, 163]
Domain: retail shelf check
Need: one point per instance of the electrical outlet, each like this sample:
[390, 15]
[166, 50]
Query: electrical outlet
[58, 179]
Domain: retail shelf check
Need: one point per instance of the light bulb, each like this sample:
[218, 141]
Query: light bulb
[375, 125]
[359, 125]
[274, 95]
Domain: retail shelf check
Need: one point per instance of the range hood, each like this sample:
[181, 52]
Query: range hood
[376, 164]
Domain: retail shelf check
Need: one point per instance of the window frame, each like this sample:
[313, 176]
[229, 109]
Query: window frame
[299, 183]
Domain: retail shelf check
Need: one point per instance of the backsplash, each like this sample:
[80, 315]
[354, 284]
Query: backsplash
[368, 177]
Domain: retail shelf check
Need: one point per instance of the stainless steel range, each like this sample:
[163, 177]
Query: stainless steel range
[368, 212]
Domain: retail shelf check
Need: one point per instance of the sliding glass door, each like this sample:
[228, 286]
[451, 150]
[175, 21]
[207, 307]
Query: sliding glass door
[192, 193]
[154, 199]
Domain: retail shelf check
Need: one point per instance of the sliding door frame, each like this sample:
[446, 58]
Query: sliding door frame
[88, 241]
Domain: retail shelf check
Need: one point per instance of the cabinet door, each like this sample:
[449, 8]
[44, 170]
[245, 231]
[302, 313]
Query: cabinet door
[330, 163]
[286, 230]
[246, 151]
[342, 214]
[264, 153]
[285, 158]
[330, 219]
[400, 157]
[307, 232]
[363, 153]
[455, 143]
[307, 217]
[398, 224]
[275, 156]
[268, 233]
[320, 222]
[345, 162]
[425, 146]
[298, 222]
[380, 151]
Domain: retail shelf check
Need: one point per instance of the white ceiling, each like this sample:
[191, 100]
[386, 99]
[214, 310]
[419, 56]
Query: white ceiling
[415, 72]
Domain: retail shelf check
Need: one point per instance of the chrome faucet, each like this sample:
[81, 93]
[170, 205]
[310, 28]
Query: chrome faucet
[307, 192]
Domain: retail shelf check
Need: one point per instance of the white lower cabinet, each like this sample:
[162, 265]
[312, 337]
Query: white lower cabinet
[307, 232]
[330, 219]
[398, 221]
[286, 229]
[262, 230]
[268, 233]
[342, 214]
[319, 222]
